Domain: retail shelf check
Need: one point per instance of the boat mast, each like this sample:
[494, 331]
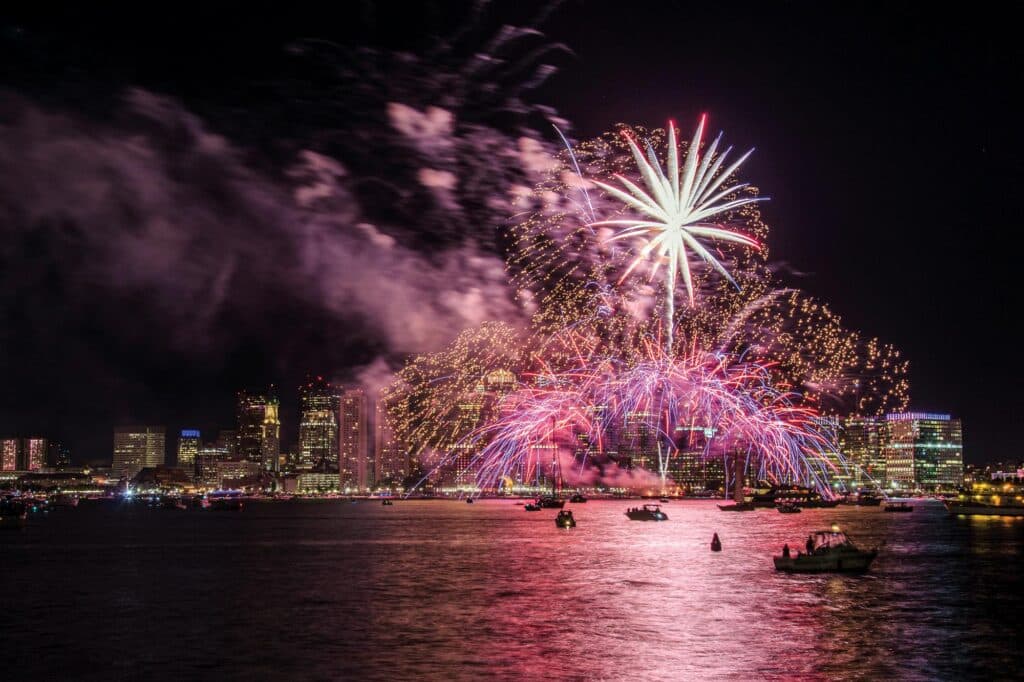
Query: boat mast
[737, 486]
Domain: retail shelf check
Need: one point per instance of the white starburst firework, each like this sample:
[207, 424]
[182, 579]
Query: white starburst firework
[678, 209]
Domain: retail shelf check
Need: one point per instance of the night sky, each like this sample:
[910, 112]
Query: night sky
[886, 139]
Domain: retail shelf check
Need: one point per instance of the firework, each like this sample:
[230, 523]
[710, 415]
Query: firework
[678, 210]
[748, 364]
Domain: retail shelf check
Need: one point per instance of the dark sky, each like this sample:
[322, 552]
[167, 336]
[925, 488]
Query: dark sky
[886, 138]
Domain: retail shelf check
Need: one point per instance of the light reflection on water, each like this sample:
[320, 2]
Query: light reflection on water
[448, 590]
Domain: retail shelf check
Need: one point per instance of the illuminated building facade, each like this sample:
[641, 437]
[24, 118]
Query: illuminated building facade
[270, 446]
[320, 405]
[860, 443]
[136, 447]
[353, 462]
[391, 460]
[250, 410]
[35, 452]
[923, 451]
[188, 449]
[208, 458]
[639, 441]
[10, 450]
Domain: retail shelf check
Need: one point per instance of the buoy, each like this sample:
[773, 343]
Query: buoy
[716, 544]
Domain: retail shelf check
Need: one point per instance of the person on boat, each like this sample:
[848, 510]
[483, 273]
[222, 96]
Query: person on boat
[785, 550]
[810, 545]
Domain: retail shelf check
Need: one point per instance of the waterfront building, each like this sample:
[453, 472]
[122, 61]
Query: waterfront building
[188, 449]
[250, 410]
[10, 453]
[271, 441]
[923, 451]
[35, 452]
[316, 482]
[639, 440]
[391, 460]
[353, 465]
[136, 447]
[860, 443]
[206, 466]
[237, 473]
[319, 404]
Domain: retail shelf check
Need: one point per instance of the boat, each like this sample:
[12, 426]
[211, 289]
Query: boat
[469, 500]
[716, 543]
[801, 496]
[577, 499]
[386, 502]
[868, 499]
[663, 500]
[738, 507]
[788, 509]
[989, 499]
[550, 502]
[648, 512]
[532, 507]
[12, 513]
[830, 551]
[898, 507]
[64, 500]
[565, 519]
[223, 500]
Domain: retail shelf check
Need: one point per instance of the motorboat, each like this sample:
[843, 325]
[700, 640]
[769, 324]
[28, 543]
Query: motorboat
[738, 507]
[868, 499]
[577, 499]
[898, 507]
[550, 502]
[530, 506]
[648, 512]
[989, 499]
[565, 519]
[223, 500]
[788, 509]
[386, 502]
[469, 500]
[830, 551]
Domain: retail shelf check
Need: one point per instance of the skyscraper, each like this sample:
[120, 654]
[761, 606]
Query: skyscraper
[391, 464]
[250, 412]
[320, 406]
[923, 451]
[35, 451]
[860, 442]
[10, 449]
[353, 450]
[136, 447]
[271, 441]
[188, 449]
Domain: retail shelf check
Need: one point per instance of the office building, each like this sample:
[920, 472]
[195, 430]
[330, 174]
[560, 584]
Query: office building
[319, 405]
[188, 449]
[860, 443]
[271, 441]
[923, 451]
[10, 453]
[136, 447]
[353, 464]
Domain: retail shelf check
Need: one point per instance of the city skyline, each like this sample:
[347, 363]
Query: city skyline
[884, 267]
